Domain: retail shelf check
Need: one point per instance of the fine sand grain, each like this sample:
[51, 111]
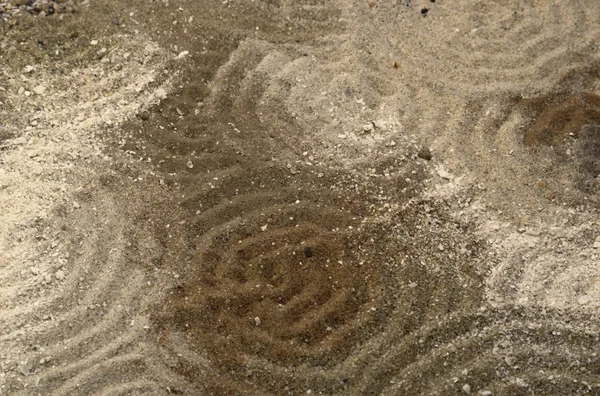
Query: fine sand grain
[287, 197]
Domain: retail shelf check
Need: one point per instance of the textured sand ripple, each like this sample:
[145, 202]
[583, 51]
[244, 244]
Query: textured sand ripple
[99, 300]
[393, 305]
[270, 236]
[488, 46]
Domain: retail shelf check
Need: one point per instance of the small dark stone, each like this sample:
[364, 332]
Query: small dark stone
[424, 11]
[144, 115]
[348, 91]
[308, 251]
[50, 10]
[116, 21]
[425, 153]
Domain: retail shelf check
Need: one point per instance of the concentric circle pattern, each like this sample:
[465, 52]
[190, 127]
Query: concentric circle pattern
[296, 281]
[275, 238]
[103, 293]
[288, 276]
[503, 94]
[288, 258]
[293, 274]
[486, 46]
[547, 144]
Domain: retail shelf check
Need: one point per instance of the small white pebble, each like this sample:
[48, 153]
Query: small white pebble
[583, 300]
[161, 93]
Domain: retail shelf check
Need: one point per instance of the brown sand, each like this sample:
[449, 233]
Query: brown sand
[236, 197]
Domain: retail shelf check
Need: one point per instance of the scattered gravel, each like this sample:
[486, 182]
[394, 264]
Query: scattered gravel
[43, 8]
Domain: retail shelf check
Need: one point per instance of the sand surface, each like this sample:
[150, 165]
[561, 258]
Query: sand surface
[290, 197]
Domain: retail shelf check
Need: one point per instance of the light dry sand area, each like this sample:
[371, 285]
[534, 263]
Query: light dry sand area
[294, 197]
